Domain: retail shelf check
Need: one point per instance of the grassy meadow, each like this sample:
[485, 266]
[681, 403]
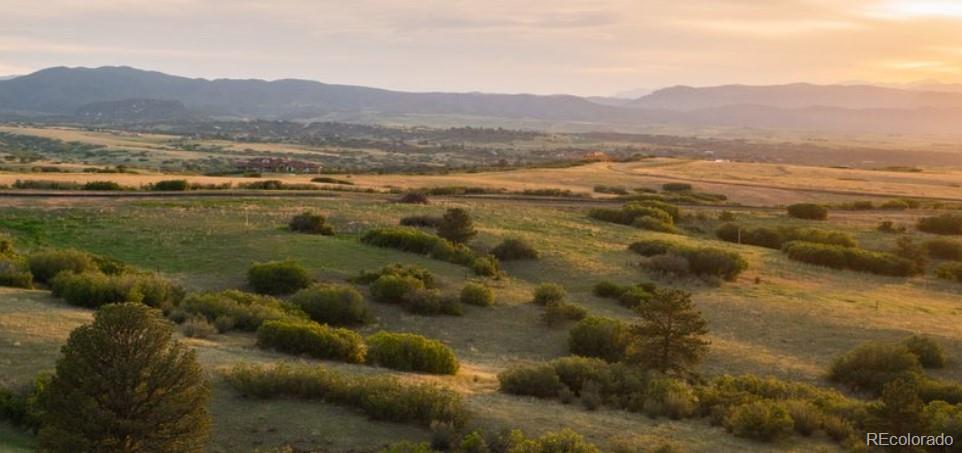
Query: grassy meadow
[779, 318]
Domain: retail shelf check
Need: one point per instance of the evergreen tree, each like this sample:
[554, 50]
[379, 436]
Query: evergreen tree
[456, 226]
[123, 385]
[900, 410]
[670, 335]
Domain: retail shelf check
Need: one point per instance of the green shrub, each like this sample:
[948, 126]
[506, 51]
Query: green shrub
[574, 372]
[23, 407]
[760, 420]
[380, 397]
[234, 309]
[669, 264]
[45, 265]
[945, 249]
[541, 381]
[558, 312]
[331, 304]
[171, 185]
[653, 224]
[808, 211]
[406, 446]
[676, 187]
[456, 226]
[198, 327]
[949, 271]
[564, 441]
[278, 277]
[942, 417]
[312, 339]
[102, 185]
[608, 289]
[93, 289]
[938, 390]
[477, 294]
[774, 238]
[872, 365]
[547, 293]
[420, 273]
[838, 257]
[485, 266]
[15, 272]
[421, 221]
[652, 215]
[927, 350]
[394, 288]
[634, 297]
[430, 302]
[702, 261]
[604, 338]
[311, 223]
[668, 397]
[941, 224]
[413, 240]
[514, 249]
[410, 352]
[806, 417]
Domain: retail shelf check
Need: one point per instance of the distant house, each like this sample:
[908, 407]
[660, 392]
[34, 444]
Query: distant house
[599, 156]
[279, 165]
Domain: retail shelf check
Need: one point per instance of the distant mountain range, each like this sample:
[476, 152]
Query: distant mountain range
[123, 94]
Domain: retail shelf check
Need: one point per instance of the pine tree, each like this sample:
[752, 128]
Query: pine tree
[900, 410]
[123, 385]
[456, 226]
[670, 335]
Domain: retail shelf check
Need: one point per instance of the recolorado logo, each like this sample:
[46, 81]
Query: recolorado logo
[907, 440]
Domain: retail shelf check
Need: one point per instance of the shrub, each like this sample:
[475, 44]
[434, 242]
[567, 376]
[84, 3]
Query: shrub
[634, 297]
[575, 372]
[430, 302]
[514, 249]
[838, 257]
[312, 339]
[485, 266]
[608, 289]
[278, 277]
[24, 407]
[127, 359]
[310, 223]
[652, 215]
[380, 397]
[808, 211]
[197, 327]
[15, 272]
[669, 397]
[896, 204]
[887, 226]
[170, 185]
[417, 272]
[558, 312]
[413, 240]
[676, 187]
[547, 293]
[760, 420]
[927, 350]
[413, 198]
[617, 190]
[872, 365]
[670, 265]
[421, 221]
[93, 289]
[950, 271]
[457, 226]
[338, 305]
[653, 224]
[945, 249]
[102, 185]
[410, 352]
[394, 288]
[477, 294]
[604, 338]
[564, 441]
[236, 309]
[774, 238]
[540, 382]
[702, 261]
[45, 265]
[941, 224]
[806, 416]
[330, 180]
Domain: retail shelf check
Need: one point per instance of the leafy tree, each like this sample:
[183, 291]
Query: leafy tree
[670, 335]
[457, 226]
[122, 384]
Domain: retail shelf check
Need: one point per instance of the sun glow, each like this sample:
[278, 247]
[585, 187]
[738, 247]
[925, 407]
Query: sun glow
[913, 8]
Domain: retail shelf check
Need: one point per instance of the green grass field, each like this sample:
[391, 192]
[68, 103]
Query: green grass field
[779, 318]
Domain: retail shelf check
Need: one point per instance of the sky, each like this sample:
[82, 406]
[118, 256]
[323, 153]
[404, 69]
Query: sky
[584, 47]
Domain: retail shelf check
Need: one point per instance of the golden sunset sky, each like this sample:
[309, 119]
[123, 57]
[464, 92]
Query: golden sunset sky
[594, 47]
